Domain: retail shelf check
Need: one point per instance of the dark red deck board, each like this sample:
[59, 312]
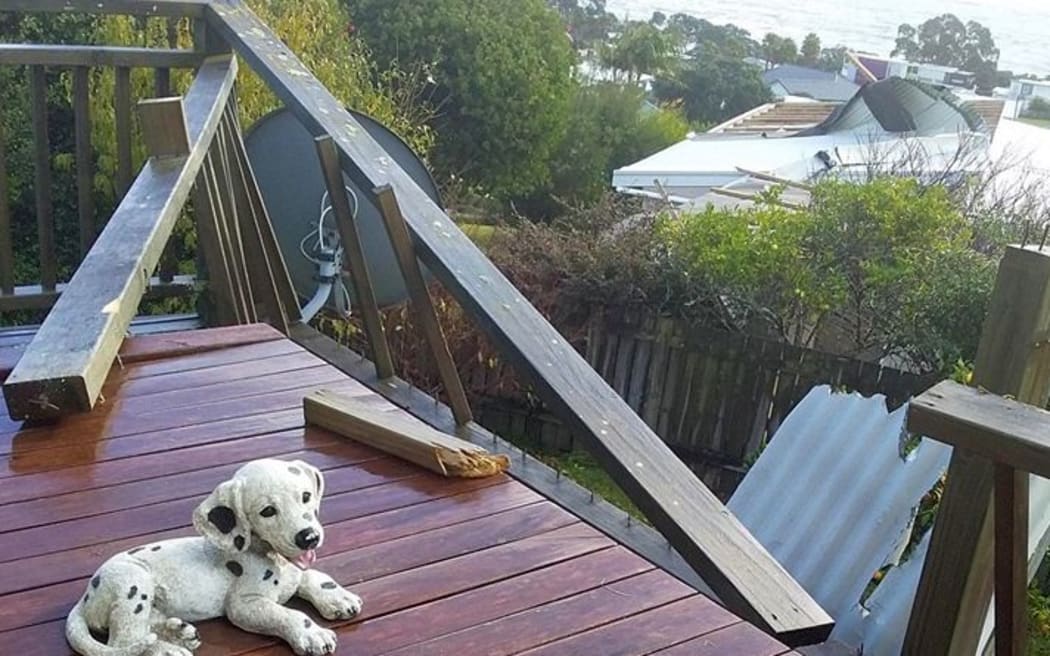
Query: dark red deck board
[469, 567]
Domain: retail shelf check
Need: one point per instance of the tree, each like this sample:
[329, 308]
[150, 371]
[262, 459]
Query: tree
[778, 50]
[502, 81]
[947, 41]
[712, 89]
[610, 126]
[831, 59]
[702, 38]
[640, 48]
[811, 50]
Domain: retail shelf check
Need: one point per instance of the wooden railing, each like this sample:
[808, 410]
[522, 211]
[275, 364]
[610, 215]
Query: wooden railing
[248, 282]
[38, 61]
[1015, 437]
[1013, 360]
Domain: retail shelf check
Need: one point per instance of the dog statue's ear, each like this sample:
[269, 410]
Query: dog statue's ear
[221, 519]
[315, 474]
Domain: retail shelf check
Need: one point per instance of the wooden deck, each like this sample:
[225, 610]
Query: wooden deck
[482, 567]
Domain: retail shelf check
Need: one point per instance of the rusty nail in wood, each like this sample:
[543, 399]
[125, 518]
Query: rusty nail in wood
[628, 520]
[592, 497]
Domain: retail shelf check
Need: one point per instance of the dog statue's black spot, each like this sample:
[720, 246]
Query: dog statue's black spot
[307, 623]
[295, 470]
[276, 582]
[267, 575]
[223, 518]
[239, 542]
[307, 516]
[138, 609]
[86, 597]
[133, 591]
[145, 597]
[234, 567]
[156, 548]
[329, 585]
[95, 581]
[135, 551]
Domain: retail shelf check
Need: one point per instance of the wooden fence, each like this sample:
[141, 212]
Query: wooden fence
[714, 397]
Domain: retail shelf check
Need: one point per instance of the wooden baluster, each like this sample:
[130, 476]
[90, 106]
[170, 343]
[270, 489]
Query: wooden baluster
[7, 256]
[262, 278]
[272, 251]
[122, 112]
[422, 304]
[354, 257]
[205, 210]
[230, 227]
[42, 159]
[84, 158]
[1011, 560]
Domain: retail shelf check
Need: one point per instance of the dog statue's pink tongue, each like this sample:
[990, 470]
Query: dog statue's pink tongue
[306, 559]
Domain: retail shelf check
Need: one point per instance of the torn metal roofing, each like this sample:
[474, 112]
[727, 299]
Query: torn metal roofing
[833, 500]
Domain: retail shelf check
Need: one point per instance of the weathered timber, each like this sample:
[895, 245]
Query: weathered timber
[220, 285]
[85, 159]
[1012, 499]
[421, 303]
[45, 216]
[167, 136]
[401, 435]
[63, 370]
[996, 428]
[272, 271]
[122, 114]
[743, 574]
[129, 7]
[14, 54]
[1012, 359]
[7, 257]
[354, 259]
[534, 473]
[34, 297]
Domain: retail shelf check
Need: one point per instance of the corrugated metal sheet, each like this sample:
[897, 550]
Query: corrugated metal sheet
[833, 500]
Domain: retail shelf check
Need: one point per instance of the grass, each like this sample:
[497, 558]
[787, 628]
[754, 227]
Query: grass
[1039, 123]
[480, 234]
[581, 468]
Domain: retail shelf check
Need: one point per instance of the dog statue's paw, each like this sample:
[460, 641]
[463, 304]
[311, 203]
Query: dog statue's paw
[180, 632]
[338, 604]
[313, 640]
[163, 648]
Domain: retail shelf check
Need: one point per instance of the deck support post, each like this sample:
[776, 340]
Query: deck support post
[1013, 359]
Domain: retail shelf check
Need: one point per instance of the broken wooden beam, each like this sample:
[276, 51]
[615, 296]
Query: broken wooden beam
[400, 435]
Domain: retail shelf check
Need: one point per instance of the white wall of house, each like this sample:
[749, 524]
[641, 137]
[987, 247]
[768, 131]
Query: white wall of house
[1025, 89]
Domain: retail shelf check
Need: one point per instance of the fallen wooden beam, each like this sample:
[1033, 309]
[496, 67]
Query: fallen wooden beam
[402, 436]
[63, 369]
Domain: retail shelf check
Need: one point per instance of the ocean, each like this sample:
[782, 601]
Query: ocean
[1021, 28]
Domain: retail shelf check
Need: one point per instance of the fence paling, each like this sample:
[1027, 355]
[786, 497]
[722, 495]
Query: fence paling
[714, 397]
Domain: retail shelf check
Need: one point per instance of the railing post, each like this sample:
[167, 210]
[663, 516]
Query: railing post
[354, 260]
[1013, 359]
[422, 305]
[45, 219]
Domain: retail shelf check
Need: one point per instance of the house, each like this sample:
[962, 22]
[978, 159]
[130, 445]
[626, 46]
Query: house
[867, 68]
[884, 122]
[789, 80]
[1022, 91]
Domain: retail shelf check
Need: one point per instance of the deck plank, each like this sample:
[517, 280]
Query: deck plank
[474, 566]
[516, 633]
[740, 638]
[642, 633]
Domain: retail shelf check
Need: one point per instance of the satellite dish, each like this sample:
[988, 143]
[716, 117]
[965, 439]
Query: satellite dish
[286, 166]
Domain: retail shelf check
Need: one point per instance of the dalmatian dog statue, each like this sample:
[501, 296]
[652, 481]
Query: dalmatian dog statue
[259, 532]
